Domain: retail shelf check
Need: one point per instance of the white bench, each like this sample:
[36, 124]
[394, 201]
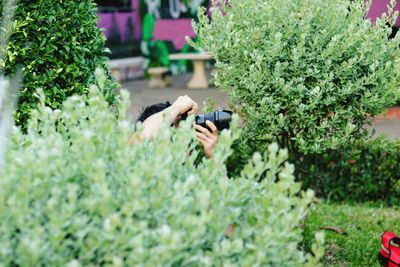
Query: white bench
[159, 77]
[126, 68]
[199, 79]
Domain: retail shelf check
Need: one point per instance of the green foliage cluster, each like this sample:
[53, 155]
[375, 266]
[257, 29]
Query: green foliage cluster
[74, 193]
[58, 45]
[308, 74]
[366, 171]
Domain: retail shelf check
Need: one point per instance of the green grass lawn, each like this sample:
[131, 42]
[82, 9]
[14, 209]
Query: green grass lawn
[363, 225]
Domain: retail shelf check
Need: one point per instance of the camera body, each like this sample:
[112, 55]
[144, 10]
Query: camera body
[221, 118]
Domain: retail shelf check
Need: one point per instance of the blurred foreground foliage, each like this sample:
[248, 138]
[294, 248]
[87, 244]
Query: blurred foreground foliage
[74, 193]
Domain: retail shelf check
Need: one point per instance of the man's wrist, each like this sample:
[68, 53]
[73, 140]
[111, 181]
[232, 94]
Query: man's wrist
[173, 112]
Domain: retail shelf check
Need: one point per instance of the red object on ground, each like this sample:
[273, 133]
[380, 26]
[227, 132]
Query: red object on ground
[390, 250]
[393, 112]
[173, 30]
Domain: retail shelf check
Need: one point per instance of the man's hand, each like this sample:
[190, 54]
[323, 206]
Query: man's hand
[183, 105]
[207, 138]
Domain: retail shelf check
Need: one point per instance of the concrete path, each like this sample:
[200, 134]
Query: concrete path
[141, 96]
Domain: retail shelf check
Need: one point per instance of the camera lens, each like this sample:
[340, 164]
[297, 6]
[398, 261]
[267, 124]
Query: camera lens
[223, 119]
[200, 119]
[220, 118]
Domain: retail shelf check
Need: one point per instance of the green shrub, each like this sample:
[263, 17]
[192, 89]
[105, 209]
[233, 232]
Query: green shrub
[366, 171]
[307, 74]
[58, 46]
[75, 194]
[310, 75]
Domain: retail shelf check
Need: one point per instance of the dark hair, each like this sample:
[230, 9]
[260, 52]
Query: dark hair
[151, 110]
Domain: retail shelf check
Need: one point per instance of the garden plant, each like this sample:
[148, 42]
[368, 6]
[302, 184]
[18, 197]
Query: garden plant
[309, 75]
[58, 46]
[74, 193]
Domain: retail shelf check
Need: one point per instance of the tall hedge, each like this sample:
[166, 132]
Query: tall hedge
[76, 194]
[58, 46]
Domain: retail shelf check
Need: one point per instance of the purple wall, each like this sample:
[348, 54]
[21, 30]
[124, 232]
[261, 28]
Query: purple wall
[106, 20]
[121, 19]
[379, 7]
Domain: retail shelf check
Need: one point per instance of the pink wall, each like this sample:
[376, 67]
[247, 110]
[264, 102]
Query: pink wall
[174, 30]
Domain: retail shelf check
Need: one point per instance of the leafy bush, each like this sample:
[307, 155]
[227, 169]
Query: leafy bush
[308, 74]
[367, 171]
[74, 193]
[58, 45]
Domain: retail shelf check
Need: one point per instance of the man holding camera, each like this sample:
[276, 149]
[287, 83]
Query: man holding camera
[152, 119]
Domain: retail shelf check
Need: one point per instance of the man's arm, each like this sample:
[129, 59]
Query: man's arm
[153, 124]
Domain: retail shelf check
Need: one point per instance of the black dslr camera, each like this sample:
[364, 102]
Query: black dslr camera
[221, 118]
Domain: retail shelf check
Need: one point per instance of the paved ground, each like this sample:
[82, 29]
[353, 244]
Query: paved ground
[388, 126]
[142, 96]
